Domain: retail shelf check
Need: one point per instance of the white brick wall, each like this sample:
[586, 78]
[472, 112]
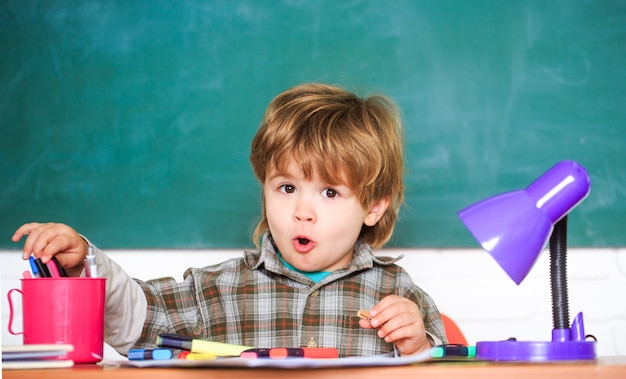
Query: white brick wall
[466, 284]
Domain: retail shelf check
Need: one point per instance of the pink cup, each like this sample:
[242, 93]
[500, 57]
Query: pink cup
[63, 310]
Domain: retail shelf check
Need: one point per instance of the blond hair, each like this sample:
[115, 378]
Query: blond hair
[341, 137]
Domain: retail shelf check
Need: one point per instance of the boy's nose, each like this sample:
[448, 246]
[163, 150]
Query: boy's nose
[304, 213]
[305, 218]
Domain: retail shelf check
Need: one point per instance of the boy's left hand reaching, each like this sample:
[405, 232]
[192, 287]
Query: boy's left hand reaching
[53, 239]
[399, 321]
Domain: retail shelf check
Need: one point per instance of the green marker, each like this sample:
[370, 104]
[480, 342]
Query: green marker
[453, 351]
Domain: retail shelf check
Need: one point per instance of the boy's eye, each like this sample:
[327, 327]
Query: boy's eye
[287, 188]
[330, 193]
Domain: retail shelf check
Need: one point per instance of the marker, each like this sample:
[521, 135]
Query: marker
[43, 270]
[453, 350]
[33, 266]
[91, 268]
[304, 352]
[255, 353]
[145, 354]
[27, 275]
[291, 352]
[178, 341]
[59, 267]
[198, 356]
[52, 268]
[183, 354]
[195, 356]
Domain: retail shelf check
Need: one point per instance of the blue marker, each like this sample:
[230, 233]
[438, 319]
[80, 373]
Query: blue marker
[145, 354]
[33, 267]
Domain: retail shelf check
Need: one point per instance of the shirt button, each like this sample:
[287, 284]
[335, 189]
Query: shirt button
[315, 293]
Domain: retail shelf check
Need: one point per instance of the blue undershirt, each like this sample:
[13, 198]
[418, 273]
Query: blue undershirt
[315, 276]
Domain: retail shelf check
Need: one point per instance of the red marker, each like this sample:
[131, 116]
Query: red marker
[304, 352]
[292, 352]
[53, 269]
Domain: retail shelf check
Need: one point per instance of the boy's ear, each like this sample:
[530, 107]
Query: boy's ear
[376, 211]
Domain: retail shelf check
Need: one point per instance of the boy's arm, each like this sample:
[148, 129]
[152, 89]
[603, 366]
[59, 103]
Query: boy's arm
[125, 308]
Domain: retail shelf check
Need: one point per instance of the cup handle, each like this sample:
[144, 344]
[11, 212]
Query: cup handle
[11, 312]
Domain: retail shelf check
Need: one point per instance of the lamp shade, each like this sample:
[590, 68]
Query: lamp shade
[514, 227]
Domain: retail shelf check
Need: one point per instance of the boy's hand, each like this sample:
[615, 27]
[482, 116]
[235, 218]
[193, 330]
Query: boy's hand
[47, 240]
[399, 321]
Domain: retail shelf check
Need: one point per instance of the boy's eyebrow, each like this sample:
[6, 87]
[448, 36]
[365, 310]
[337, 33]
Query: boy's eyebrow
[276, 174]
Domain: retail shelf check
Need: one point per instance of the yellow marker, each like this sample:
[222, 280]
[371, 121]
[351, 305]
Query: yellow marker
[199, 356]
[217, 348]
[201, 346]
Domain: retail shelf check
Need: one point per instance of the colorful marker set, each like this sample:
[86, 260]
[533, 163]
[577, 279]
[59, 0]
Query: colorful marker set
[200, 349]
[178, 341]
[52, 269]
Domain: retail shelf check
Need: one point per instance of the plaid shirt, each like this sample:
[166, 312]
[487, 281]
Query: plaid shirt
[256, 301]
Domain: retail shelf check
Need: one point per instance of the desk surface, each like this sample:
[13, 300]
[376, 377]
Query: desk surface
[608, 367]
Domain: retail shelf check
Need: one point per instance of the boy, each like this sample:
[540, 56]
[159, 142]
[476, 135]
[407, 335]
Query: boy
[330, 165]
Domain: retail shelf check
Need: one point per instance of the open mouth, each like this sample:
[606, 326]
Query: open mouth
[303, 244]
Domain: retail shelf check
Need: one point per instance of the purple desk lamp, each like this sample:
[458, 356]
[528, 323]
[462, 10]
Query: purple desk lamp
[514, 228]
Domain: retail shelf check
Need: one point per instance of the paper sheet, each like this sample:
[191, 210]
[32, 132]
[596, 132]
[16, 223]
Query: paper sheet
[289, 363]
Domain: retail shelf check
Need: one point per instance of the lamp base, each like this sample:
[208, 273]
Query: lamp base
[528, 351]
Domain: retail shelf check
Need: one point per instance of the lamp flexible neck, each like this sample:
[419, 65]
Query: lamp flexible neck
[558, 275]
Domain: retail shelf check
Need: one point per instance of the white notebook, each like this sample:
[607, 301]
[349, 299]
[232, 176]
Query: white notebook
[32, 356]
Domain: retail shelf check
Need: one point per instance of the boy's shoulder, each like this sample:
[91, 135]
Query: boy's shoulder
[249, 259]
[364, 256]
[385, 260]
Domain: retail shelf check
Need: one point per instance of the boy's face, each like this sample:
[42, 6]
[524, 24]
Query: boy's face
[315, 225]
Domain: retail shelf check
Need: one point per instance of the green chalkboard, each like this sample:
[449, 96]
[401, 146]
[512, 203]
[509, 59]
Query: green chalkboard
[132, 120]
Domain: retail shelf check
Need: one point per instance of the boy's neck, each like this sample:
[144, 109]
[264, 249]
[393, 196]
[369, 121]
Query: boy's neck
[315, 276]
